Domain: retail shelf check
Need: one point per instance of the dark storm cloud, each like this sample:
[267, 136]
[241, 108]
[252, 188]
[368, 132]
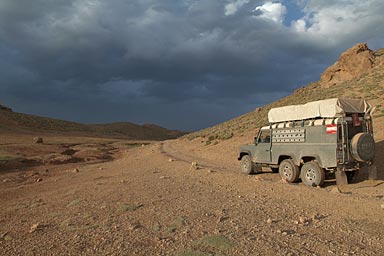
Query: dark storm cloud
[181, 64]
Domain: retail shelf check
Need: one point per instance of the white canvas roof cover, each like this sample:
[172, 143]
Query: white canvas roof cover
[329, 108]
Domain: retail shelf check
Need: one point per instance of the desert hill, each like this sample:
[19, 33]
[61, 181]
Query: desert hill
[359, 73]
[23, 123]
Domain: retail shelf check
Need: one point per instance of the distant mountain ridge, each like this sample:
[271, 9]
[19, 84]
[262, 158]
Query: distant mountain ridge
[18, 122]
[359, 73]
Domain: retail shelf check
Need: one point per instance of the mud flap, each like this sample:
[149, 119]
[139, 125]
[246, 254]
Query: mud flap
[341, 178]
[372, 172]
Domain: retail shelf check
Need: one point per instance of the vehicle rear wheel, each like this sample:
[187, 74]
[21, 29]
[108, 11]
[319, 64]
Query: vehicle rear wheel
[289, 171]
[246, 165]
[312, 174]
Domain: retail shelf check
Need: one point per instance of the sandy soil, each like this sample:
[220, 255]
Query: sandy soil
[147, 200]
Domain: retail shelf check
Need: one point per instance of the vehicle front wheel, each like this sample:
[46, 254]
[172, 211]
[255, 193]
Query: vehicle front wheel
[289, 171]
[312, 174]
[246, 165]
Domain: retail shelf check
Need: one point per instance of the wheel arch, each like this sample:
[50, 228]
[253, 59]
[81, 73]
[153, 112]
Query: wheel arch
[283, 157]
[243, 153]
[304, 159]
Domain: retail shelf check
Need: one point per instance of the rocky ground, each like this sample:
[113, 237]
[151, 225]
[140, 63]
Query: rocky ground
[148, 200]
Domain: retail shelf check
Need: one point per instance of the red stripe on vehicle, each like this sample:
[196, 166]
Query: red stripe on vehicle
[331, 128]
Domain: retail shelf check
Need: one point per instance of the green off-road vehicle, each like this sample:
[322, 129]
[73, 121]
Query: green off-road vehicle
[307, 141]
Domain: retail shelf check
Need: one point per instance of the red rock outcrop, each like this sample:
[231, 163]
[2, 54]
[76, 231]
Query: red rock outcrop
[354, 62]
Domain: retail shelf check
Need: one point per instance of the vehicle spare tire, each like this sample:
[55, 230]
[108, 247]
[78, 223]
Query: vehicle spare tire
[363, 147]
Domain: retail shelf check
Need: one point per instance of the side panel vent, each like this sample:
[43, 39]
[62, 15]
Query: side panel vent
[288, 135]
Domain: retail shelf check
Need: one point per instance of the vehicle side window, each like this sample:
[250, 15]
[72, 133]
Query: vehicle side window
[265, 136]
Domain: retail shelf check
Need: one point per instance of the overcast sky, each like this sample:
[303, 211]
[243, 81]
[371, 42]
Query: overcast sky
[182, 64]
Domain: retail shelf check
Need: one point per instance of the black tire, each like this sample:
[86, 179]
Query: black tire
[289, 171]
[312, 174]
[246, 165]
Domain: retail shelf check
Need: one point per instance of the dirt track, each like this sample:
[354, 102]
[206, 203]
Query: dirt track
[150, 202]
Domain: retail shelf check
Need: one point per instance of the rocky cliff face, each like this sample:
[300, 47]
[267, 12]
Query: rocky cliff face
[353, 63]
